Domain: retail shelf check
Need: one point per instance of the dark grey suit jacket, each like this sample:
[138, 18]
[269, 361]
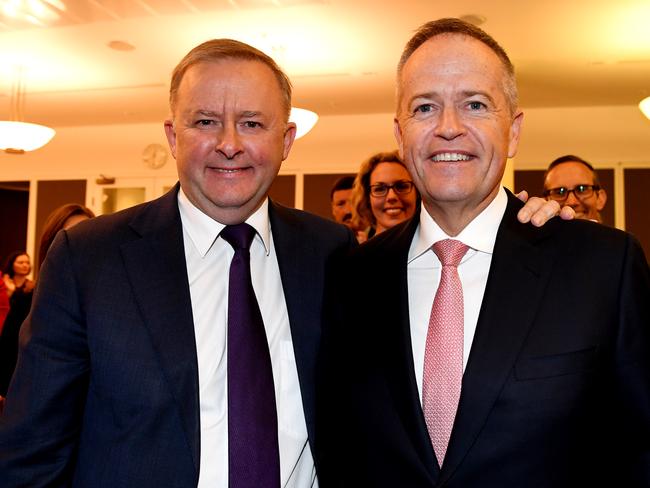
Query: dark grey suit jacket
[106, 389]
[556, 392]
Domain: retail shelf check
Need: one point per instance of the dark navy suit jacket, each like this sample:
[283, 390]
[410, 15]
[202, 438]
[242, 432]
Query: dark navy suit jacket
[106, 389]
[556, 392]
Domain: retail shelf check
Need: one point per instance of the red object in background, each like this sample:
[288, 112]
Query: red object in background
[4, 303]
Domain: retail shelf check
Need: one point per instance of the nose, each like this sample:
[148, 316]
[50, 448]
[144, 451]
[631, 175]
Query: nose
[571, 200]
[449, 125]
[229, 141]
[391, 194]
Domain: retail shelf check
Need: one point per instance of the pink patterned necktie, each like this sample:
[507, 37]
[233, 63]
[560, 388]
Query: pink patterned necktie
[443, 355]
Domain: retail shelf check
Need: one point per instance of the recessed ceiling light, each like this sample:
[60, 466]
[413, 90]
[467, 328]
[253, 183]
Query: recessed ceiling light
[475, 19]
[121, 46]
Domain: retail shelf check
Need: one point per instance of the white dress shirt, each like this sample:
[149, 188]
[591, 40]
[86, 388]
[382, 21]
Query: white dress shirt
[208, 264]
[424, 274]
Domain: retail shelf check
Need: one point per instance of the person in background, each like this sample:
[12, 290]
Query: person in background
[340, 200]
[493, 354]
[572, 181]
[19, 290]
[383, 194]
[64, 217]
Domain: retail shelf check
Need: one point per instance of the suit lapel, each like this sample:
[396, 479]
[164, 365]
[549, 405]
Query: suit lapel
[400, 370]
[518, 274]
[156, 267]
[302, 282]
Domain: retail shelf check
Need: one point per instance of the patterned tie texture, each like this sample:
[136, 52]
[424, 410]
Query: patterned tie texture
[253, 453]
[443, 355]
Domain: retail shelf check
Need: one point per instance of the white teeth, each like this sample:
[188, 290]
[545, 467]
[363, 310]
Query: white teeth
[450, 157]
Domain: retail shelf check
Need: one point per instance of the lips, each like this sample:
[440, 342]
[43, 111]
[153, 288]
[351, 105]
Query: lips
[228, 171]
[393, 210]
[450, 157]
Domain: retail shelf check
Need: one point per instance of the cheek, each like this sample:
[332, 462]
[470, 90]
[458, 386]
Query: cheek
[409, 200]
[376, 204]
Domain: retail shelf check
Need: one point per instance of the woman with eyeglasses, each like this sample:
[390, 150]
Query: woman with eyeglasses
[383, 194]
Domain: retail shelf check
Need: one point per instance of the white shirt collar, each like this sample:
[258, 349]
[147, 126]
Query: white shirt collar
[480, 234]
[204, 230]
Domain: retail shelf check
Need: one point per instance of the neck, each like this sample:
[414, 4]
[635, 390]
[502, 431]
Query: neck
[453, 217]
[19, 280]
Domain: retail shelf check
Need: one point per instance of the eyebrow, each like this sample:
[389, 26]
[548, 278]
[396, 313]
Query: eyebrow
[206, 113]
[465, 94]
[211, 113]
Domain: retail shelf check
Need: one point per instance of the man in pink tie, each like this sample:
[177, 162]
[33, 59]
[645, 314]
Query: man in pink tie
[488, 353]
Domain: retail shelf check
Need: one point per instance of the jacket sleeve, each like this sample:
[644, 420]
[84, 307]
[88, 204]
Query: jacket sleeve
[633, 366]
[43, 413]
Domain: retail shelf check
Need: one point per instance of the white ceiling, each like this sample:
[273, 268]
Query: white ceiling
[340, 54]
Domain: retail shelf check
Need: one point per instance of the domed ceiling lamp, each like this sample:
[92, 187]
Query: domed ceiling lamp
[305, 120]
[16, 136]
[644, 106]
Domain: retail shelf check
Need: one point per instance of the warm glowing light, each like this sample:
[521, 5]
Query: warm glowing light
[644, 106]
[35, 12]
[305, 120]
[18, 137]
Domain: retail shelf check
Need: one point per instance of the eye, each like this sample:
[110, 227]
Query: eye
[476, 105]
[204, 122]
[424, 108]
[252, 124]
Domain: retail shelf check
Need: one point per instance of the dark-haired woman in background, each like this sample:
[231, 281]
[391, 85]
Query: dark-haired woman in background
[64, 217]
[20, 290]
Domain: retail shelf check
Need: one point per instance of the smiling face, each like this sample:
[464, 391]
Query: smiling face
[569, 175]
[229, 136]
[454, 126]
[392, 208]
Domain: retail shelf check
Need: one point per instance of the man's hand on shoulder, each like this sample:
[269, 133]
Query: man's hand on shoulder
[538, 211]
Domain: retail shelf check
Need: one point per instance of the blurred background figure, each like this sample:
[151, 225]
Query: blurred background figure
[4, 302]
[64, 217]
[572, 181]
[383, 194]
[340, 198]
[19, 289]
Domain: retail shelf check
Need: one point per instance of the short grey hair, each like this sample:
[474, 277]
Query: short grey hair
[456, 26]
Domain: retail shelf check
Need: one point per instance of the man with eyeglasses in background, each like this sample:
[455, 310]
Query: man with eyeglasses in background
[572, 181]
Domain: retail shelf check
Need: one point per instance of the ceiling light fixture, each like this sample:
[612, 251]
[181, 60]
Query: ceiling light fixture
[305, 120]
[644, 106]
[17, 136]
[35, 12]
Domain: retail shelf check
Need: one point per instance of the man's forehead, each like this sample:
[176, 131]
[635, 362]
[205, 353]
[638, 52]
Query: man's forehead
[570, 170]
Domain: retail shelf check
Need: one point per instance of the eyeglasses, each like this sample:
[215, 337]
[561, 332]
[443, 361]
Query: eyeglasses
[401, 187]
[581, 192]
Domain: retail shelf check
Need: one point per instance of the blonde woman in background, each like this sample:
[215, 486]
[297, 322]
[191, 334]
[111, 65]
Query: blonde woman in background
[383, 194]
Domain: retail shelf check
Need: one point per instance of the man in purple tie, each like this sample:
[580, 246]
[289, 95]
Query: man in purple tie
[488, 353]
[174, 344]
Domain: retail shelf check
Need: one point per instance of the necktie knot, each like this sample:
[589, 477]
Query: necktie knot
[450, 251]
[239, 236]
